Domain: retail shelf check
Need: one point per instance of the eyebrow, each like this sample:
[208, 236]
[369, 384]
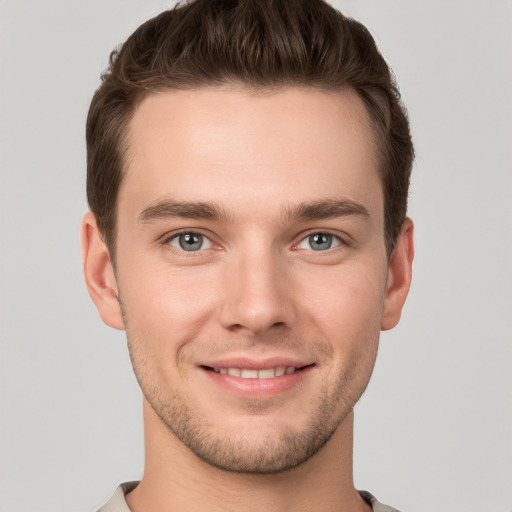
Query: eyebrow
[187, 210]
[312, 210]
[327, 209]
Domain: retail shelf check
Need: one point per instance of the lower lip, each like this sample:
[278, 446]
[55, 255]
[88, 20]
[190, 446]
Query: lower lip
[258, 388]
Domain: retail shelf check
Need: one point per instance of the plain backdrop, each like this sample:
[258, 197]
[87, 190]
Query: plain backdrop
[434, 429]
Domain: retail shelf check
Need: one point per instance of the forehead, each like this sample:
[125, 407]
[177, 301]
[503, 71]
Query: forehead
[245, 147]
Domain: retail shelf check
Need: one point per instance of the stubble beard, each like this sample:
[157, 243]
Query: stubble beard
[241, 453]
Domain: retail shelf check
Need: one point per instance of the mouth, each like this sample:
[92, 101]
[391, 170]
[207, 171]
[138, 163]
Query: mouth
[256, 379]
[263, 373]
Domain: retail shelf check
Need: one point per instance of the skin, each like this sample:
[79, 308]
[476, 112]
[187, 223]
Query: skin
[274, 169]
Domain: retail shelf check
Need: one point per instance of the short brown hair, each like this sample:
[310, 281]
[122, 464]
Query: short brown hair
[253, 43]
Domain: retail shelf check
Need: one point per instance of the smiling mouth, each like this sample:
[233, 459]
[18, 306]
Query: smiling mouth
[251, 373]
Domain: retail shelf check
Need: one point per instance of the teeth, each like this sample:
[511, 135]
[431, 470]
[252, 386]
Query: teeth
[267, 374]
[249, 374]
[245, 373]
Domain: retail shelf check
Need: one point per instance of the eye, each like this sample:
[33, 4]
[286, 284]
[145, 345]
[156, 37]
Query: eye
[319, 242]
[190, 242]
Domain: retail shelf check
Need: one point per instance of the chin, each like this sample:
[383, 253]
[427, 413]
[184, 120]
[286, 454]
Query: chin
[252, 444]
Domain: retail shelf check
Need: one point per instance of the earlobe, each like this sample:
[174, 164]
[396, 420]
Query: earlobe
[399, 276]
[99, 274]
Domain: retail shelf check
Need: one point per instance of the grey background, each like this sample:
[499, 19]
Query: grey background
[433, 431]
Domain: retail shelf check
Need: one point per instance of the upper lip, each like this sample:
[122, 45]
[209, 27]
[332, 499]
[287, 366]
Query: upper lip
[257, 364]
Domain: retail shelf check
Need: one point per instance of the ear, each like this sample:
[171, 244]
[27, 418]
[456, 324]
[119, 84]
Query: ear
[399, 276]
[99, 273]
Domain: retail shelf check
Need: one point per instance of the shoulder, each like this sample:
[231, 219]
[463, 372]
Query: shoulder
[118, 502]
[376, 505]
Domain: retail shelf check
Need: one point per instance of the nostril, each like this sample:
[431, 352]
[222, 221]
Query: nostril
[255, 313]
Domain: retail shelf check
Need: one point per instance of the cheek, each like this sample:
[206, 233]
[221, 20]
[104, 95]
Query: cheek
[351, 303]
[165, 307]
[349, 317]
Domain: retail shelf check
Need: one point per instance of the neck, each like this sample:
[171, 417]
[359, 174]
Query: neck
[176, 479]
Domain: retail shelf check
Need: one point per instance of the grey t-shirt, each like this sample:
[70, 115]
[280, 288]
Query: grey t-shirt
[118, 503]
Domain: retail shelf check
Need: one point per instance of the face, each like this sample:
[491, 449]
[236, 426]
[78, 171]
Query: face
[251, 268]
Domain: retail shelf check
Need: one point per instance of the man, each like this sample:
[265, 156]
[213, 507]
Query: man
[248, 171]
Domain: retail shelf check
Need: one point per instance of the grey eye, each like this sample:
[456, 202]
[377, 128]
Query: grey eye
[190, 242]
[320, 241]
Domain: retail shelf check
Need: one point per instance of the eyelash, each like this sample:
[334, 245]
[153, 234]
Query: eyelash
[168, 239]
[340, 241]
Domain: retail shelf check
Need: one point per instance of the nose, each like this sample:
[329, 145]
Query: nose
[258, 294]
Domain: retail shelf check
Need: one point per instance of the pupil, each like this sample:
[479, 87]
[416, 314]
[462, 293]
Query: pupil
[320, 241]
[191, 242]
